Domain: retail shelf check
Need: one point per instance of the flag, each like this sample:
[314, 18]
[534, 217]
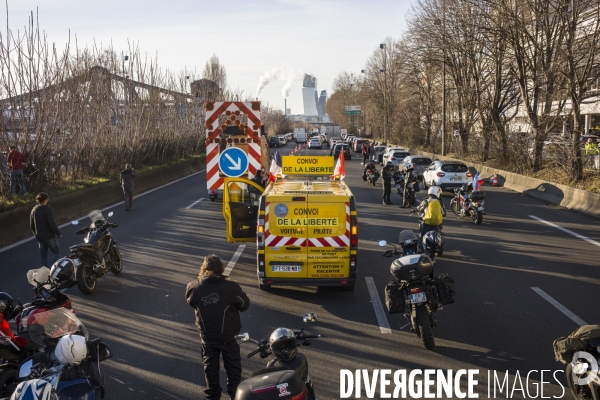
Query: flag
[275, 167]
[477, 181]
[340, 167]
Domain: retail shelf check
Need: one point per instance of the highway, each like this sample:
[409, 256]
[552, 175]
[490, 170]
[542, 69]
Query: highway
[512, 274]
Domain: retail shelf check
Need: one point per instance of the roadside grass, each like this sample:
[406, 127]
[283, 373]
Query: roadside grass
[66, 186]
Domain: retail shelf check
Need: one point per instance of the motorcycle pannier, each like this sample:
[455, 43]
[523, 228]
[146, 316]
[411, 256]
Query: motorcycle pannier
[271, 383]
[394, 300]
[445, 288]
[565, 347]
[412, 267]
[477, 195]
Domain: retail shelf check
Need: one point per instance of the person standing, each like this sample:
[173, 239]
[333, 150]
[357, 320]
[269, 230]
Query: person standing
[127, 177]
[386, 175]
[365, 152]
[590, 147]
[15, 161]
[218, 303]
[45, 230]
[409, 181]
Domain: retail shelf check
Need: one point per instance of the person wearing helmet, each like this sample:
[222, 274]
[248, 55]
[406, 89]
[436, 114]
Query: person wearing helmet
[369, 166]
[386, 175]
[410, 179]
[434, 210]
[218, 303]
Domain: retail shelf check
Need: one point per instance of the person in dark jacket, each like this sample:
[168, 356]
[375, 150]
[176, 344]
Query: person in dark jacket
[127, 177]
[218, 303]
[410, 179]
[45, 230]
[386, 175]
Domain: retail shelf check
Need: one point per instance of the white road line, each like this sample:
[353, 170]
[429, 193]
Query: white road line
[384, 325]
[405, 326]
[577, 235]
[194, 203]
[236, 256]
[20, 242]
[560, 307]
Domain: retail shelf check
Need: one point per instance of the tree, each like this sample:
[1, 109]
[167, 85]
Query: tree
[215, 71]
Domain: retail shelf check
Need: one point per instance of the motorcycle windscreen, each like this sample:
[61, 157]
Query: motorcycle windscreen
[240, 209]
[328, 224]
[286, 237]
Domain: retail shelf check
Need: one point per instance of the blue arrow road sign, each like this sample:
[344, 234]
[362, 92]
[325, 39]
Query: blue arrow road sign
[233, 162]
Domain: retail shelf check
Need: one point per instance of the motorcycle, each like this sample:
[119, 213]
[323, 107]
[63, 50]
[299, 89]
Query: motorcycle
[468, 203]
[416, 293]
[80, 378]
[439, 250]
[286, 375]
[98, 255]
[579, 352]
[372, 176]
[400, 181]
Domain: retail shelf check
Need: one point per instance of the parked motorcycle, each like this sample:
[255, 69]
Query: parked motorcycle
[399, 181]
[286, 376]
[68, 361]
[468, 203]
[98, 255]
[417, 294]
[579, 352]
[372, 176]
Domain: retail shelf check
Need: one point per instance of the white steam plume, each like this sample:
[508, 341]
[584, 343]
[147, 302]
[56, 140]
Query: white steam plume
[291, 77]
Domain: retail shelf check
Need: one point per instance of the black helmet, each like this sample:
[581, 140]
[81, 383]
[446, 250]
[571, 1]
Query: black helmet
[63, 270]
[283, 344]
[6, 305]
[431, 241]
[389, 164]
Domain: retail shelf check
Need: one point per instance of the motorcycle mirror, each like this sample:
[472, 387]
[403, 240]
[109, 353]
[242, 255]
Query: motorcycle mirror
[382, 243]
[110, 214]
[242, 337]
[310, 317]
[75, 222]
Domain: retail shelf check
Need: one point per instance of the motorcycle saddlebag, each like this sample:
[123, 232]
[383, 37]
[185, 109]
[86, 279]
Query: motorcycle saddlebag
[394, 300]
[477, 195]
[565, 347]
[271, 383]
[412, 267]
[445, 289]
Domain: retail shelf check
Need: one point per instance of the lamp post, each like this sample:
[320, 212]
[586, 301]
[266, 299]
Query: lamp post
[382, 46]
[443, 130]
[352, 92]
[363, 112]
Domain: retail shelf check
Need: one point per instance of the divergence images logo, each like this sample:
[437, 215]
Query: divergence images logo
[281, 210]
[581, 375]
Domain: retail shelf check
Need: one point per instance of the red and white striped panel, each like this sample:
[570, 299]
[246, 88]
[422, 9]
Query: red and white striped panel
[274, 240]
[214, 180]
[334, 241]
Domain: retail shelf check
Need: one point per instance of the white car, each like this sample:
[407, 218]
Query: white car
[388, 153]
[448, 175]
[314, 144]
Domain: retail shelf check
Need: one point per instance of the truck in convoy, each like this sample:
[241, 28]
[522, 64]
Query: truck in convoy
[301, 135]
[233, 124]
[304, 224]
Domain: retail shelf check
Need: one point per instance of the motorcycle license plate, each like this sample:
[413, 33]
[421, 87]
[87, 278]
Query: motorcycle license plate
[286, 268]
[480, 209]
[416, 298]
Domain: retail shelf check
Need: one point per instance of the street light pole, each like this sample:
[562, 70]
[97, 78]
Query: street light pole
[352, 92]
[444, 80]
[382, 46]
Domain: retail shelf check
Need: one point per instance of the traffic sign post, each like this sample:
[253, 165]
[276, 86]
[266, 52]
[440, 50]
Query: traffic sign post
[233, 162]
[353, 110]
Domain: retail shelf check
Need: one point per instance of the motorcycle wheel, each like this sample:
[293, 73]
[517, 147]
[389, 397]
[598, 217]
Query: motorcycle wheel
[8, 381]
[477, 216]
[578, 392]
[116, 265]
[426, 328]
[454, 206]
[86, 280]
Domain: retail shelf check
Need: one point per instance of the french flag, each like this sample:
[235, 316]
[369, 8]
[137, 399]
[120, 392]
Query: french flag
[477, 181]
[275, 167]
[340, 167]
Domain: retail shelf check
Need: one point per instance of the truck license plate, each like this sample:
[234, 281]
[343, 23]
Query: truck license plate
[286, 268]
[416, 298]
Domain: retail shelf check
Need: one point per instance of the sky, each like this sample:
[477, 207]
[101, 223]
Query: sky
[320, 37]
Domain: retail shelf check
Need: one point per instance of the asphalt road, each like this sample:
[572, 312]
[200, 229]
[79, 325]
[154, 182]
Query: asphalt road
[498, 323]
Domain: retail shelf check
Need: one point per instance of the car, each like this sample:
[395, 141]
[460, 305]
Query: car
[341, 147]
[334, 139]
[282, 141]
[378, 154]
[448, 175]
[274, 142]
[420, 164]
[388, 154]
[396, 158]
[314, 143]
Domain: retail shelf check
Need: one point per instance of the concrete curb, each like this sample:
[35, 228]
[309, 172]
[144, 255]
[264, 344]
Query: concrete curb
[14, 224]
[574, 199]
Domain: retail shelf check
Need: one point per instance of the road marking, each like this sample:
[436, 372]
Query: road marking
[384, 325]
[194, 203]
[560, 307]
[577, 235]
[405, 326]
[20, 242]
[234, 259]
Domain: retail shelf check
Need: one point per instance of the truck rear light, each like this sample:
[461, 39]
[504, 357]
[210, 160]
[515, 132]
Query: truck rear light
[416, 290]
[440, 174]
[299, 396]
[270, 282]
[353, 260]
[353, 231]
[261, 261]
